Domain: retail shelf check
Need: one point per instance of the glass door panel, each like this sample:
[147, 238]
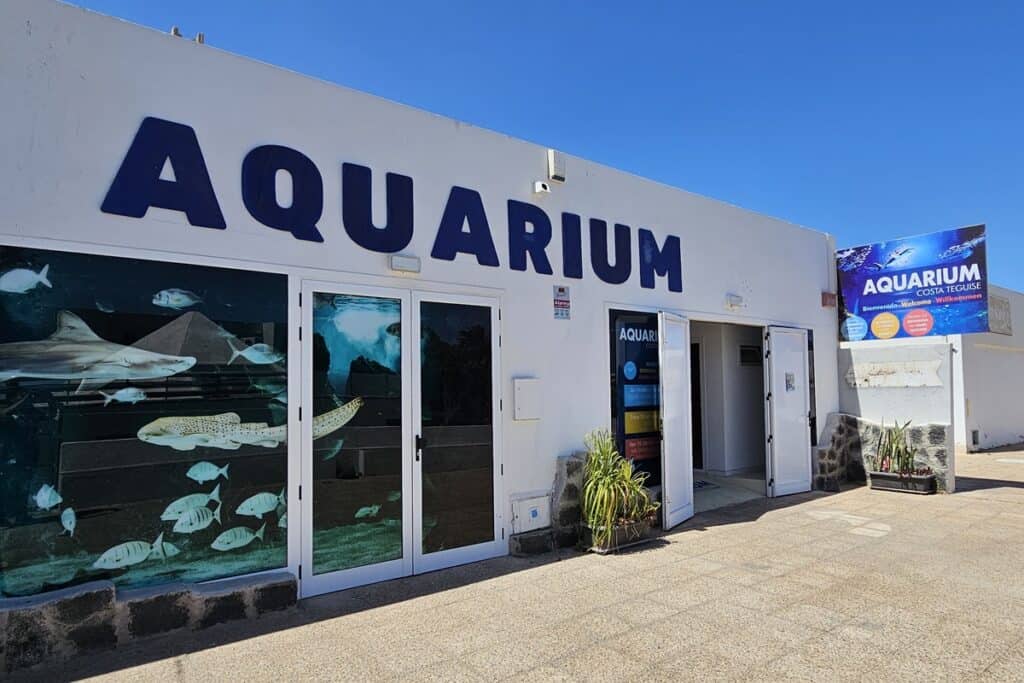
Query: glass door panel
[355, 437]
[455, 421]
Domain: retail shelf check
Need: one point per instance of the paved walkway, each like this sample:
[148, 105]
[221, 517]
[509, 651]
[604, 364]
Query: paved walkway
[858, 585]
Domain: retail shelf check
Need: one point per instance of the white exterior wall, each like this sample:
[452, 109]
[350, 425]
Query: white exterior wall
[993, 372]
[897, 402]
[77, 85]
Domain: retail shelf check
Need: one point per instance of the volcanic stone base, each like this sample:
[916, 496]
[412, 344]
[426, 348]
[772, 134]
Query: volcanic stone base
[848, 439]
[94, 616]
[534, 542]
[566, 512]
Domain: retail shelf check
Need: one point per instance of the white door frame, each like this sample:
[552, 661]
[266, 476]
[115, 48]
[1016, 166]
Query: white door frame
[310, 583]
[498, 545]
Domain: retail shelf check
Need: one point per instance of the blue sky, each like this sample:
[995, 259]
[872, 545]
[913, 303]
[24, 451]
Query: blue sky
[869, 120]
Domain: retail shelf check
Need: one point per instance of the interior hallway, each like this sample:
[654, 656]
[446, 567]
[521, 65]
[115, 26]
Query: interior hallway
[712, 491]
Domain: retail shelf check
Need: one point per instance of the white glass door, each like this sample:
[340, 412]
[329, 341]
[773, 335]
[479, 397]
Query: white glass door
[400, 420]
[356, 420]
[788, 411]
[456, 424]
[676, 441]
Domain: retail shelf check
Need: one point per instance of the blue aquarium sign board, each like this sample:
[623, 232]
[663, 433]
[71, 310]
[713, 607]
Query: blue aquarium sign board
[464, 227]
[920, 286]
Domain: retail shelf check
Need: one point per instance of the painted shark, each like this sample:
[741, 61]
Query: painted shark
[228, 432]
[75, 352]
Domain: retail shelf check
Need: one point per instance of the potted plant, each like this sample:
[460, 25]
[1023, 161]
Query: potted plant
[617, 510]
[892, 467]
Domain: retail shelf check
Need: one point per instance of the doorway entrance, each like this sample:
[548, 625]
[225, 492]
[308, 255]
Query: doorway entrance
[729, 396]
[399, 432]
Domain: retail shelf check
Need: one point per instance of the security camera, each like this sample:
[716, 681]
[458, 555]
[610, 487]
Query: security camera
[540, 187]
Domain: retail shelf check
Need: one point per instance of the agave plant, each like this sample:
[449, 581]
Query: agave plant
[613, 493]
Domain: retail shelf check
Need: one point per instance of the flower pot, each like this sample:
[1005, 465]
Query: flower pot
[623, 536]
[907, 483]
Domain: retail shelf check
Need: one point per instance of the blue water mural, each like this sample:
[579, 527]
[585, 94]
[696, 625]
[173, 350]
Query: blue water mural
[357, 470]
[139, 440]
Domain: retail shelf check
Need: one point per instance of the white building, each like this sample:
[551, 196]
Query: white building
[229, 252]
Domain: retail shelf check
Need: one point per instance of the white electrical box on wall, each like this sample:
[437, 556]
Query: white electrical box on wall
[526, 398]
[529, 514]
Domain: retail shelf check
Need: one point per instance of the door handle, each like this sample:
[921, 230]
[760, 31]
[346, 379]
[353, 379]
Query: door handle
[419, 446]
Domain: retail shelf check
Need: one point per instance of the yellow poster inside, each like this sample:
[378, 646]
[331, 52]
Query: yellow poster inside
[641, 421]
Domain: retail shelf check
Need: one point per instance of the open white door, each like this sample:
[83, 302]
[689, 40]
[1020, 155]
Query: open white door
[676, 455]
[787, 411]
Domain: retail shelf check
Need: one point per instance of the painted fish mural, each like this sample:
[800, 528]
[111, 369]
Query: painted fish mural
[237, 537]
[75, 352]
[196, 519]
[335, 449]
[282, 521]
[368, 511]
[176, 509]
[47, 497]
[260, 504]
[127, 395]
[257, 354]
[204, 471]
[269, 386]
[133, 552]
[69, 521]
[174, 298]
[22, 280]
[228, 432]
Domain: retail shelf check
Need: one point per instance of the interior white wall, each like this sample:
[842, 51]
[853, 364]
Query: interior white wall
[712, 393]
[744, 401]
[993, 369]
[76, 86]
[733, 399]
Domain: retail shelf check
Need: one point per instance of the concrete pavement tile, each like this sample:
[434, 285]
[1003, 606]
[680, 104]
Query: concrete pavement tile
[740, 576]
[813, 615]
[604, 662]
[698, 565]
[548, 673]
[679, 597]
[787, 632]
[601, 624]
[514, 655]
[812, 578]
[800, 666]
[785, 588]
[643, 612]
[1008, 666]
[758, 601]
[453, 672]
[700, 663]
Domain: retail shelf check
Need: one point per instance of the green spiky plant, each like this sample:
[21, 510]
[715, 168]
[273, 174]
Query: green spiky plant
[894, 453]
[613, 493]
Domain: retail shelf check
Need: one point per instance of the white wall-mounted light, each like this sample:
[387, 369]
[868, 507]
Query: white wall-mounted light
[734, 302]
[541, 187]
[556, 166]
[404, 264]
